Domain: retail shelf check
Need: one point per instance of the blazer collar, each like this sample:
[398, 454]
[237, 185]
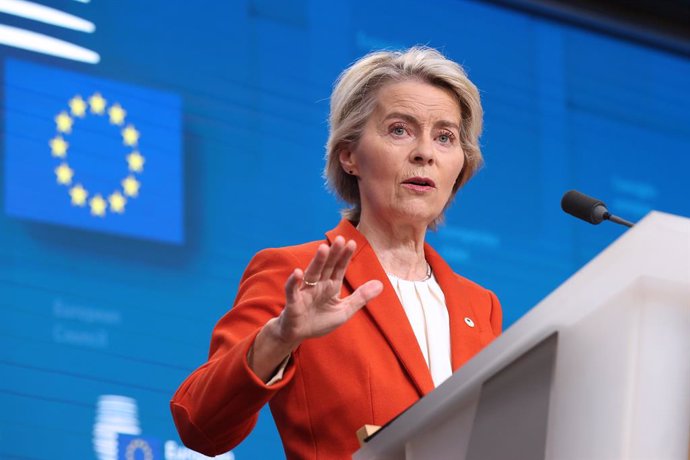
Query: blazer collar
[388, 313]
[458, 302]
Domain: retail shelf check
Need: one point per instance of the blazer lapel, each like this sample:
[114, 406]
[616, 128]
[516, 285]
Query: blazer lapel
[385, 310]
[458, 305]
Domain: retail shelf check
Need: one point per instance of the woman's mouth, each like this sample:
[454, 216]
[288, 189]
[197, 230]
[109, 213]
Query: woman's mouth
[420, 184]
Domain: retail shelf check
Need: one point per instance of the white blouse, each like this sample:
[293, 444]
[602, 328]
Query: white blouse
[425, 306]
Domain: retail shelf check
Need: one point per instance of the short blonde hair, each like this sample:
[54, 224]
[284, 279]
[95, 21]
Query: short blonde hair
[354, 99]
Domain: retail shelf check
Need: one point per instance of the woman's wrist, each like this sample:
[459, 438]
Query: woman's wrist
[275, 333]
[269, 350]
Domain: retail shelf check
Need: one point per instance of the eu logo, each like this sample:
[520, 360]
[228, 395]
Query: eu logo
[131, 447]
[92, 153]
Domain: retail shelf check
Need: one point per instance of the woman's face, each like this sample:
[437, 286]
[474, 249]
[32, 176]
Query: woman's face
[409, 155]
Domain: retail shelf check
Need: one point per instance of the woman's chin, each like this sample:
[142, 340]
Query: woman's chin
[416, 216]
[411, 212]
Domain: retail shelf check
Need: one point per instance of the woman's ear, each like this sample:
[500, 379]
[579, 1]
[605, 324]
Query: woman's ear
[347, 160]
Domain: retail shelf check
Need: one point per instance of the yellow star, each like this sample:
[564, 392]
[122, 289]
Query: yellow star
[78, 194]
[117, 202]
[97, 104]
[136, 162]
[64, 174]
[131, 186]
[77, 106]
[98, 205]
[64, 122]
[130, 136]
[117, 114]
[58, 147]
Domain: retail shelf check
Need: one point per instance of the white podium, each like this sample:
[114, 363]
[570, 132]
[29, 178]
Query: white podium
[600, 369]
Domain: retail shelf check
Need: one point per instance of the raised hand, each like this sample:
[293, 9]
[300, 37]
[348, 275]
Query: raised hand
[313, 306]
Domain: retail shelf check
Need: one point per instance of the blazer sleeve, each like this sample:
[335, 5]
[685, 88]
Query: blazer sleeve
[217, 406]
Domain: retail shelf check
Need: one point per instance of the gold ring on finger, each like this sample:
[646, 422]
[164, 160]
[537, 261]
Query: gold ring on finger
[310, 283]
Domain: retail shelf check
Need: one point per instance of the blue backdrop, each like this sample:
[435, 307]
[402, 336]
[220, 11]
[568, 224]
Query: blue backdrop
[102, 319]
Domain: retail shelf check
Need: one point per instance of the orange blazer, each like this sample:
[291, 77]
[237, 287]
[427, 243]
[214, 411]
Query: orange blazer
[365, 372]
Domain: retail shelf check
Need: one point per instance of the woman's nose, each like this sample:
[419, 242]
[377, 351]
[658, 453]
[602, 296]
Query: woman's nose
[423, 153]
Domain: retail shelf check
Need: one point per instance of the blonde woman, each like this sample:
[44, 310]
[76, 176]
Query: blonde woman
[353, 329]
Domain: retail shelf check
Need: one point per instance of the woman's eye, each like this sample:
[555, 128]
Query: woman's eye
[445, 138]
[398, 130]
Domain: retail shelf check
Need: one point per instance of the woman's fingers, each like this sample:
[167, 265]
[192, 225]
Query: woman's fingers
[312, 313]
[338, 272]
[329, 262]
[333, 257]
[313, 318]
[362, 295]
[292, 285]
[313, 272]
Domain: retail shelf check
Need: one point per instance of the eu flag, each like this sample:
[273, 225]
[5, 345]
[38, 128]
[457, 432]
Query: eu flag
[92, 153]
[130, 447]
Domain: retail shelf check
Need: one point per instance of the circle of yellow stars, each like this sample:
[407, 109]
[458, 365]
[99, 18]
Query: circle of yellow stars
[98, 203]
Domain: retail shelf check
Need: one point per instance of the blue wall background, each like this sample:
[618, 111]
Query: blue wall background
[87, 314]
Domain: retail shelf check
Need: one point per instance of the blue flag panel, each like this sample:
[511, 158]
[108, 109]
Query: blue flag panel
[92, 153]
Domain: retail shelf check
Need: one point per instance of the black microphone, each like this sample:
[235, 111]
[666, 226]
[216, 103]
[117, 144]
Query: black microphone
[589, 209]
